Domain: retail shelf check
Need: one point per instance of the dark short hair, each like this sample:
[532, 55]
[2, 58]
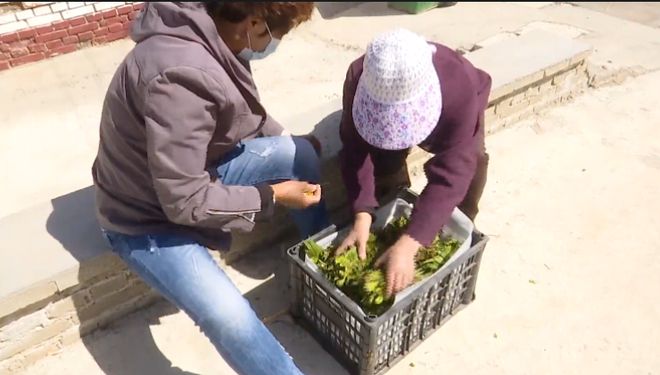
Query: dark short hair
[278, 15]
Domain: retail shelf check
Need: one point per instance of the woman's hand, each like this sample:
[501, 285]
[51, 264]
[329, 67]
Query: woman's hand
[296, 194]
[358, 235]
[399, 262]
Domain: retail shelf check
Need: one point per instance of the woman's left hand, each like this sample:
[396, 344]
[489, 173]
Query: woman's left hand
[399, 262]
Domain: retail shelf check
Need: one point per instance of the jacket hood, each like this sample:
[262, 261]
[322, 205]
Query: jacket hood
[190, 21]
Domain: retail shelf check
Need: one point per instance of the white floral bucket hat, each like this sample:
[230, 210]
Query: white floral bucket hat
[398, 99]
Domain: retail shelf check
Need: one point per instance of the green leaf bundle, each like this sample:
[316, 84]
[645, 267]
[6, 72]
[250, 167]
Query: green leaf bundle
[360, 280]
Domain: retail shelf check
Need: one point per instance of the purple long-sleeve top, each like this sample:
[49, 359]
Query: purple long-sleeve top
[455, 144]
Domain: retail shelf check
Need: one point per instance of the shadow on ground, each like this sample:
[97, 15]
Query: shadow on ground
[128, 347]
[270, 299]
[73, 224]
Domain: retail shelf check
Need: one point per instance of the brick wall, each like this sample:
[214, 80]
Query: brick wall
[48, 29]
[555, 86]
[74, 312]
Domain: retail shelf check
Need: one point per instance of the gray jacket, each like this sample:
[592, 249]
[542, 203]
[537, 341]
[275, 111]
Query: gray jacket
[178, 102]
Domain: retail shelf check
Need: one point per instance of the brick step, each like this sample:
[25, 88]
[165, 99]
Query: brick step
[60, 281]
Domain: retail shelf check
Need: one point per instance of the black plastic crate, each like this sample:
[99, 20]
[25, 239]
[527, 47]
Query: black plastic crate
[370, 345]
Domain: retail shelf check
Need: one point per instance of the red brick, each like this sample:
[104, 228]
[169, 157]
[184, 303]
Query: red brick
[132, 16]
[115, 36]
[101, 31]
[8, 38]
[51, 36]
[62, 50]
[20, 44]
[123, 19]
[77, 21]
[125, 9]
[20, 52]
[25, 34]
[41, 47]
[71, 39]
[115, 27]
[54, 44]
[5, 56]
[4, 65]
[99, 40]
[61, 25]
[44, 29]
[94, 17]
[86, 36]
[4, 47]
[138, 7]
[27, 59]
[109, 13]
[83, 28]
[109, 21]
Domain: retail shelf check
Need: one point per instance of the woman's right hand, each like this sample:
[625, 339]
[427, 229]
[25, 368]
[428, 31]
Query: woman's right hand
[358, 235]
[296, 194]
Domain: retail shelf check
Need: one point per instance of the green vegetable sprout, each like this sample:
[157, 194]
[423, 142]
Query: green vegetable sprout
[360, 280]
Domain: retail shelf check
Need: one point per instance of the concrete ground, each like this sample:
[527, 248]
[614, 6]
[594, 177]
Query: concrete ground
[647, 13]
[57, 113]
[568, 284]
[569, 279]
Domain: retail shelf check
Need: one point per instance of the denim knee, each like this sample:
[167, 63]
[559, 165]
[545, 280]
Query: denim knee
[231, 320]
[306, 163]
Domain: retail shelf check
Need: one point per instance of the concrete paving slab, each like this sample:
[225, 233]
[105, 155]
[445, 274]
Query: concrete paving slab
[499, 37]
[568, 283]
[564, 30]
[525, 56]
[49, 116]
[51, 239]
[465, 24]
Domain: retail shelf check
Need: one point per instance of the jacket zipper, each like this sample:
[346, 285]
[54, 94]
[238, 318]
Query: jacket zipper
[241, 214]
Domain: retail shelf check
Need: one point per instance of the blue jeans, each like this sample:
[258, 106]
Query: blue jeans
[272, 159]
[184, 272]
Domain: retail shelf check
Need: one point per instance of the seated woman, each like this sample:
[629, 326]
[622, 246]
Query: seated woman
[187, 154]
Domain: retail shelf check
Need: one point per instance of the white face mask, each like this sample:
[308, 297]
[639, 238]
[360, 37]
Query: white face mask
[249, 54]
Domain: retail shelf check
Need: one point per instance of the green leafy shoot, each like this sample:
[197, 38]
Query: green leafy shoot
[360, 280]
